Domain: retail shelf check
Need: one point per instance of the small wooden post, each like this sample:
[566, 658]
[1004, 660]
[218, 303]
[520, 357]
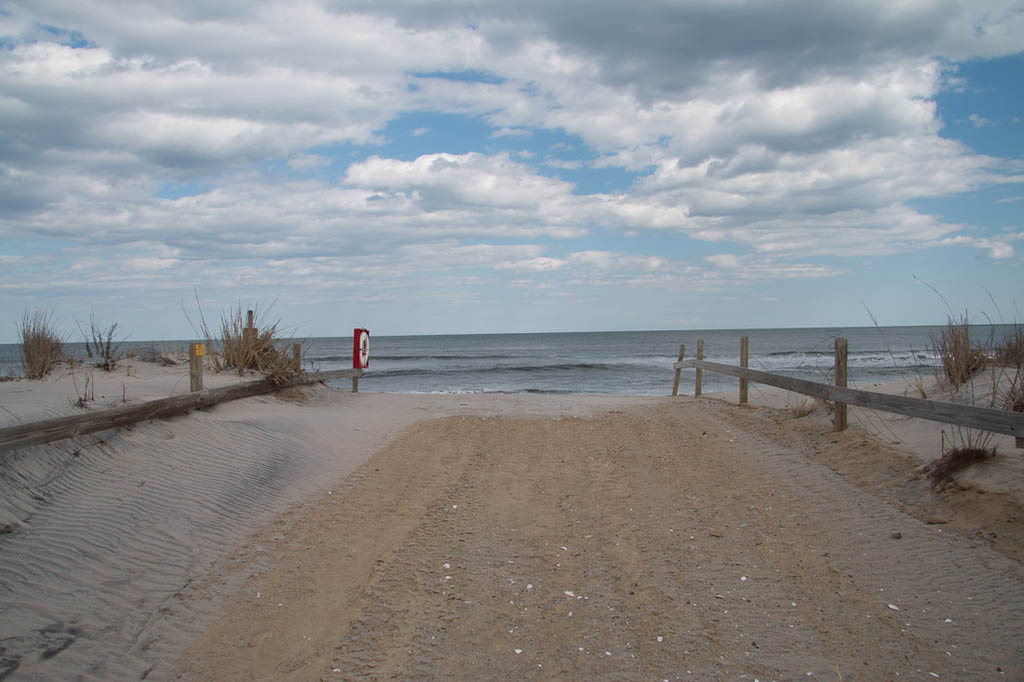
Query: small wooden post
[675, 384]
[297, 356]
[250, 326]
[840, 371]
[744, 361]
[700, 372]
[355, 384]
[195, 366]
[1020, 441]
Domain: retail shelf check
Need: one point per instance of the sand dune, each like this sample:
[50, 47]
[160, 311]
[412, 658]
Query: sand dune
[923, 440]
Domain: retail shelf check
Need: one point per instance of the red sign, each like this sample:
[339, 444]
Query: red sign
[360, 348]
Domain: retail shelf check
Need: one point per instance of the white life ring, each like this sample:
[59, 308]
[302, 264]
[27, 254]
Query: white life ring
[364, 349]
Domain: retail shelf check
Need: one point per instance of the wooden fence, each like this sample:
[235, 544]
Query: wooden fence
[59, 428]
[983, 418]
[35, 433]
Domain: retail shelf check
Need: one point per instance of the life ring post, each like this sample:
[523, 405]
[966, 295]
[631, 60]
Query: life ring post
[360, 353]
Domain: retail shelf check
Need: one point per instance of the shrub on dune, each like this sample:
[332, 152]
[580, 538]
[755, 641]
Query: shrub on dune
[42, 347]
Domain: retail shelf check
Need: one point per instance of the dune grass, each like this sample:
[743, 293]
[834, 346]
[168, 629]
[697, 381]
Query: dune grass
[243, 348]
[1009, 353]
[248, 348]
[100, 345]
[42, 346]
[959, 358]
[971, 446]
[807, 407]
[164, 357]
[1010, 350]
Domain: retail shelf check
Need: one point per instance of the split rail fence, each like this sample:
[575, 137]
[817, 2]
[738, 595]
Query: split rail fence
[35, 433]
[58, 428]
[982, 418]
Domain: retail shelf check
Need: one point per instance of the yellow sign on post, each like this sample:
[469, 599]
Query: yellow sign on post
[195, 366]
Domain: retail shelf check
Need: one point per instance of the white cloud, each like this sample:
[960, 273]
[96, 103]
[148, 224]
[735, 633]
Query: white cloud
[461, 178]
[510, 132]
[785, 139]
[610, 260]
[306, 162]
[726, 261]
[1001, 251]
[845, 201]
[979, 121]
[566, 165]
[539, 264]
[150, 264]
[591, 262]
[499, 191]
[999, 248]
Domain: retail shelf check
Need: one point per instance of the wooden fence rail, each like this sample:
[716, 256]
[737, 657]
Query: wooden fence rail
[986, 419]
[58, 428]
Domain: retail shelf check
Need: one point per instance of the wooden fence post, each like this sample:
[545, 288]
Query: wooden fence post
[1005, 422]
[355, 384]
[93, 421]
[297, 356]
[195, 366]
[675, 384]
[744, 361]
[250, 327]
[700, 372]
[840, 372]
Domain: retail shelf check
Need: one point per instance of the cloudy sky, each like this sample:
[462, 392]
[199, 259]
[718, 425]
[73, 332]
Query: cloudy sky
[466, 166]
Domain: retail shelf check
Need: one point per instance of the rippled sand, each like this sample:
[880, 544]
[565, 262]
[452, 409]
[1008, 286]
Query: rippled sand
[440, 536]
[112, 531]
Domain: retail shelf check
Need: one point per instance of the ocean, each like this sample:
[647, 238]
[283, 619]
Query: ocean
[625, 363]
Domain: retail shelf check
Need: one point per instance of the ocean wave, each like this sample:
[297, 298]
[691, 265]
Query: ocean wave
[417, 358]
[873, 354]
[506, 369]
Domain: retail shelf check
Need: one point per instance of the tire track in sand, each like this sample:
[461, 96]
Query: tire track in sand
[634, 546]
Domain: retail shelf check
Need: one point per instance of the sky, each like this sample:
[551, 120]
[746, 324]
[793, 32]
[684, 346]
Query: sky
[462, 166]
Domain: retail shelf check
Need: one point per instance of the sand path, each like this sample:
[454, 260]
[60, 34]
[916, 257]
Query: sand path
[113, 532]
[680, 540]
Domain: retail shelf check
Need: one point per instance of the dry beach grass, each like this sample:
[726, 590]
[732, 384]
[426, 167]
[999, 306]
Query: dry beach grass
[42, 346]
[248, 342]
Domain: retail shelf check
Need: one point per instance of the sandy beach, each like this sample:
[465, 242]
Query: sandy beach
[340, 341]
[320, 534]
